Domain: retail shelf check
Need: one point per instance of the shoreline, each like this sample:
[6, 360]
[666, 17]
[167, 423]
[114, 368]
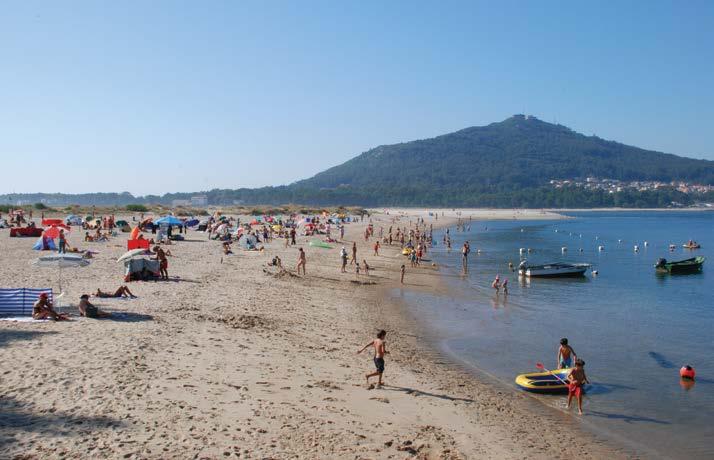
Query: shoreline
[232, 358]
[425, 351]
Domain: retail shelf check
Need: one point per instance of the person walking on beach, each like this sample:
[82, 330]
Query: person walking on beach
[163, 262]
[402, 270]
[380, 349]
[566, 355]
[301, 261]
[293, 233]
[576, 380]
[376, 248]
[343, 257]
[62, 243]
[353, 260]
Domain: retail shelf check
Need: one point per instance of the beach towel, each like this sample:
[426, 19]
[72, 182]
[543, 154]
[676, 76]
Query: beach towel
[19, 302]
[137, 244]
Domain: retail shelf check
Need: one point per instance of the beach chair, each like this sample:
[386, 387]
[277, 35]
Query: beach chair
[19, 302]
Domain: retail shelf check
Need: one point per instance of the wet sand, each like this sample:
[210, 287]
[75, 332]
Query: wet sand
[232, 358]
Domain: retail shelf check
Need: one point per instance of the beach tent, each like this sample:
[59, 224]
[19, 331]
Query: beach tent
[169, 220]
[248, 242]
[136, 268]
[45, 243]
[121, 223]
[73, 220]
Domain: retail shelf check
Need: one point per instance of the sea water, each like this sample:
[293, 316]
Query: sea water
[634, 327]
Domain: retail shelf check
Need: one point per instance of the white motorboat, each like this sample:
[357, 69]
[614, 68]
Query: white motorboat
[552, 270]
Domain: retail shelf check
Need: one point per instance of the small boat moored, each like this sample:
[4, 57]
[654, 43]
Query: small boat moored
[681, 266]
[557, 269]
[544, 382]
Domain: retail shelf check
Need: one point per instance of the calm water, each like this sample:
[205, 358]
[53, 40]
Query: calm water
[634, 328]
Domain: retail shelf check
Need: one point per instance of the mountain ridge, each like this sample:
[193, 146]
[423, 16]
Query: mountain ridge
[502, 164]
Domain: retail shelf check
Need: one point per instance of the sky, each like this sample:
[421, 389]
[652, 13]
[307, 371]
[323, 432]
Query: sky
[159, 96]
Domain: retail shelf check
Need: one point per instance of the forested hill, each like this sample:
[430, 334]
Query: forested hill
[519, 152]
[505, 164]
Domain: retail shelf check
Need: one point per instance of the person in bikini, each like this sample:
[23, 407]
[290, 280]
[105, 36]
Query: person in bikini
[122, 291]
[380, 350]
[42, 309]
[566, 355]
[576, 380]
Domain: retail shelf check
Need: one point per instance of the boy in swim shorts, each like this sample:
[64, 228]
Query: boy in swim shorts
[379, 351]
[576, 380]
[566, 355]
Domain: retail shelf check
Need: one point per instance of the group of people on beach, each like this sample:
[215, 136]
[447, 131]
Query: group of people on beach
[43, 308]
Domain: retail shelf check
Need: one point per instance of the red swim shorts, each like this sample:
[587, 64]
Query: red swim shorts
[574, 389]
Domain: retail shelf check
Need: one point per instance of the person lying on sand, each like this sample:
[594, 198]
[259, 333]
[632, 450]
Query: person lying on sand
[122, 291]
[380, 350]
[88, 310]
[42, 309]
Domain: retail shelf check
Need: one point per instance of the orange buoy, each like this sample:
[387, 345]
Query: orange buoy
[687, 372]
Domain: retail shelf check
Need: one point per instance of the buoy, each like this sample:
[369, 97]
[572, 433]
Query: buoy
[521, 230]
[687, 372]
[530, 250]
[478, 251]
[637, 248]
[601, 248]
[646, 244]
[580, 250]
[556, 230]
[581, 235]
[594, 272]
[597, 237]
[563, 249]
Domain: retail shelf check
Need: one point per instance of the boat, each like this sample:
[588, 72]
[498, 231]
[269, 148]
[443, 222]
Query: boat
[681, 266]
[557, 269]
[544, 382]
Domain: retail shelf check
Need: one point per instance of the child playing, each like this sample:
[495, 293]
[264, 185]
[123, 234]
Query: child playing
[566, 355]
[366, 267]
[379, 351]
[576, 380]
[357, 269]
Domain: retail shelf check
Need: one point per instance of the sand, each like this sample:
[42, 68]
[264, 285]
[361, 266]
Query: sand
[232, 359]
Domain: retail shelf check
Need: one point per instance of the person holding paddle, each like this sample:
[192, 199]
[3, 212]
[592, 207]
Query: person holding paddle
[576, 380]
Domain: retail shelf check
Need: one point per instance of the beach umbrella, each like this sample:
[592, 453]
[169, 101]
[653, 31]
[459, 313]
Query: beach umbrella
[53, 231]
[131, 254]
[169, 220]
[60, 261]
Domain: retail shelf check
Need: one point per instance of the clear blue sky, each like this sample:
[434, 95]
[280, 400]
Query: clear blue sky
[165, 96]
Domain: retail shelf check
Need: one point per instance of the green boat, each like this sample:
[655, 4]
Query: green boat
[682, 266]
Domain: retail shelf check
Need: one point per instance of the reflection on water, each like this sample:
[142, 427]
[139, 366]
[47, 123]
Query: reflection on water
[634, 327]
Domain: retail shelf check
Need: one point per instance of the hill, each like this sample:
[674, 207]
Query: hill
[504, 164]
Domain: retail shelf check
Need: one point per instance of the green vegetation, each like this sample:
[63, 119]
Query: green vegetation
[505, 164]
[136, 208]
[40, 206]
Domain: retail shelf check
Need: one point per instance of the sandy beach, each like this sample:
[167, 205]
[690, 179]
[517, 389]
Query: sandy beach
[233, 359]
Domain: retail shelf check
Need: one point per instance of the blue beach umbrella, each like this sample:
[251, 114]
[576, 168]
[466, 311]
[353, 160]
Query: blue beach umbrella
[168, 220]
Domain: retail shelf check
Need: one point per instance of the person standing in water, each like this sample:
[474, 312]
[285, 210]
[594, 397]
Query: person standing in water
[576, 380]
[380, 350]
[566, 355]
[465, 250]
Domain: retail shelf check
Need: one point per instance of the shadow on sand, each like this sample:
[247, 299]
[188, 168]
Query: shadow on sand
[127, 317]
[17, 418]
[11, 335]
[413, 392]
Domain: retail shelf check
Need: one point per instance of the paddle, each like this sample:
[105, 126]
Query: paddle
[542, 367]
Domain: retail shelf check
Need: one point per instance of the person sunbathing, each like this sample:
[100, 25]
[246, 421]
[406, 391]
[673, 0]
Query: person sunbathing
[42, 309]
[87, 309]
[88, 237]
[122, 291]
